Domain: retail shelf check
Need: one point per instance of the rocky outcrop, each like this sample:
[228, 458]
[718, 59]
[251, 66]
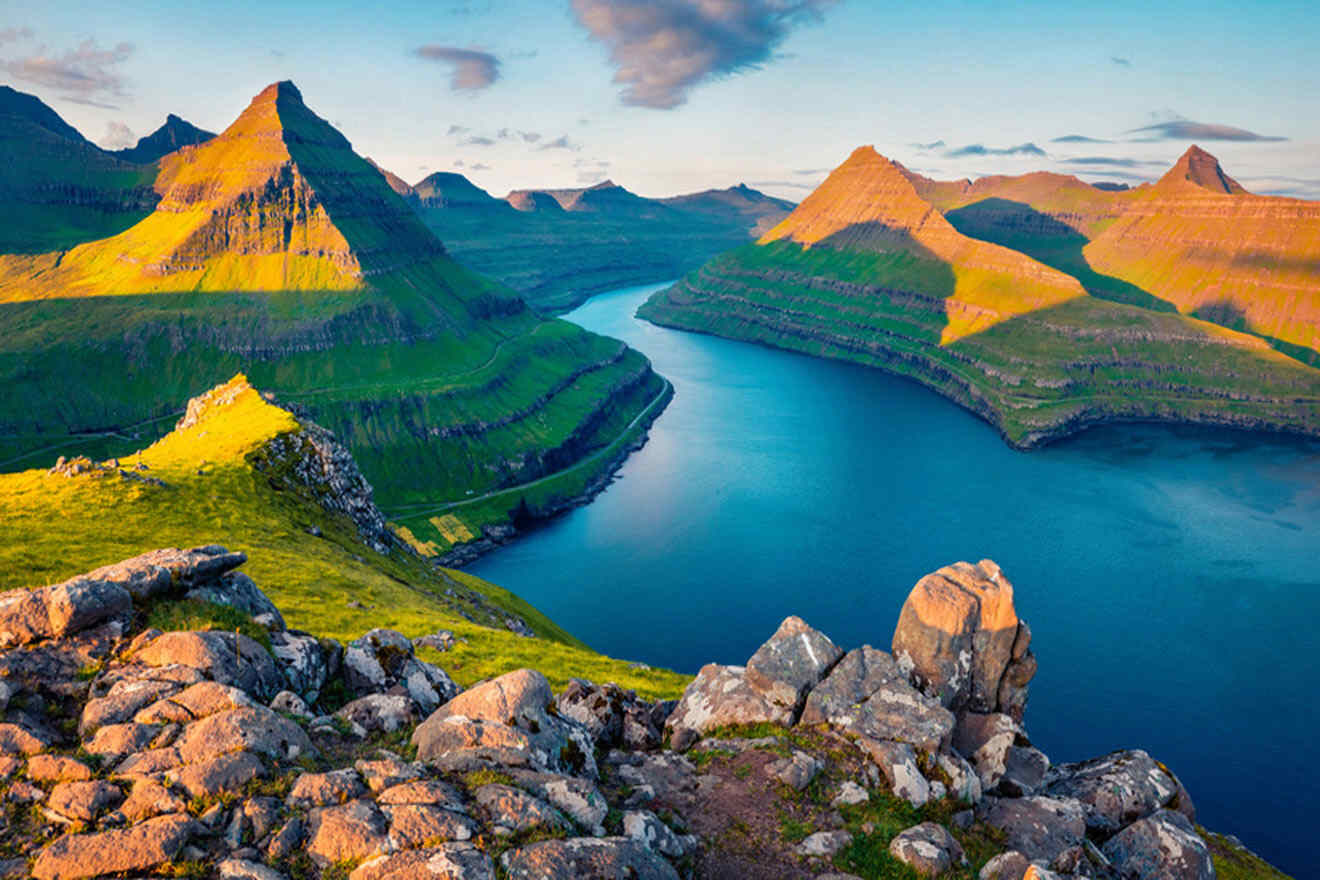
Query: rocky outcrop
[171, 753]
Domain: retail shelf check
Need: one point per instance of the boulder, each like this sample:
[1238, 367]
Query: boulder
[378, 712]
[1011, 865]
[928, 848]
[603, 857]
[236, 590]
[148, 799]
[1024, 771]
[516, 810]
[869, 695]
[613, 716]
[647, 829]
[415, 825]
[823, 843]
[306, 663]
[791, 661]
[960, 638]
[388, 770]
[160, 571]
[220, 774]
[964, 782]
[898, 761]
[719, 696]
[382, 661]
[448, 861]
[254, 728]
[797, 770]
[579, 799]
[228, 658]
[57, 768]
[985, 740]
[193, 702]
[142, 847]
[116, 740]
[1164, 845]
[1117, 789]
[325, 789]
[1038, 827]
[57, 611]
[355, 830]
[16, 740]
[83, 801]
[431, 791]
[121, 702]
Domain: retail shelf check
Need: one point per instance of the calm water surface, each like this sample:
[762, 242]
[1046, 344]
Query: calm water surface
[1170, 576]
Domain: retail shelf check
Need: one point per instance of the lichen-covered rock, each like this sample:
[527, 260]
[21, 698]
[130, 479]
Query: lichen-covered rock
[898, 761]
[823, 843]
[139, 848]
[647, 829]
[1115, 790]
[431, 791]
[193, 702]
[790, 662]
[325, 789]
[985, 740]
[1164, 845]
[160, 571]
[355, 830]
[237, 590]
[719, 696]
[960, 637]
[797, 770]
[579, 799]
[228, 658]
[254, 728]
[516, 810]
[868, 694]
[53, 612]
[213, 776]
[613, 716]
[57, 768]
[415, 825]
[306, 662]
[378, 712]
[1039, 827]
[124, 698]
[83, 801]
[614, 858]
[148, 799]
[448, 861]
[1011, 865]
[928, 848]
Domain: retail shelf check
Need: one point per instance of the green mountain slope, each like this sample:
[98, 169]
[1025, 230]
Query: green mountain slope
[173, 134]
[277, 251]
[867, 270]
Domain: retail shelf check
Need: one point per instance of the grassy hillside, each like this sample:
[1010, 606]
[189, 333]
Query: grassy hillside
[54, 526]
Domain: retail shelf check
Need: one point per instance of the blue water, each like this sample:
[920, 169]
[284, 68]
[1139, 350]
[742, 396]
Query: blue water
[1171, 576]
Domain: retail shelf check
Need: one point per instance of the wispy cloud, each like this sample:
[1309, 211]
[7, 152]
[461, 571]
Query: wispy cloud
[1121, 62]
[477, 140]
[1113, 161]
[470, 69]
[87, 74]
[926, 148]
[983, 150]
[118, 136]
[14, 34]
[661, 49]
[1187, 130]
[458, 129]
[560, 143]
[1079, 139]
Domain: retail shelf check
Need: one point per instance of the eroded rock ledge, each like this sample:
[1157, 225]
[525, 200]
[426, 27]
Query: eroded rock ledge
[131, 752]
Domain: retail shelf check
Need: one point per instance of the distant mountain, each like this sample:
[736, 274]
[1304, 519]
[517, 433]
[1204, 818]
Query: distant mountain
[1200, 169]
[57, 188]
[559, 246]
[870, 269]
[175, 133]
[278, 251]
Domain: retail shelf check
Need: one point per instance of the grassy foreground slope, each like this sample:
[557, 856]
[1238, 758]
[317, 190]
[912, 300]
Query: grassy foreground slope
[54, 526]
[279, 252]
[866, 270]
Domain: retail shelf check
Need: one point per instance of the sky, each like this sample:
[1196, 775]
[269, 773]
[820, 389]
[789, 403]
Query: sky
[671, 96]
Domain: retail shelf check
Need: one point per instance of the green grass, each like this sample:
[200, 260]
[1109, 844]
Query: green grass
[53, 527]
[197, 614]
[1233, 863]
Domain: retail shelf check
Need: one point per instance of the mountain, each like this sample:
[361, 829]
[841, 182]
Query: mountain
[175, 133]
[559, 246]
[57, 188]
[1195, 242]
[277, 251]
[868, 269]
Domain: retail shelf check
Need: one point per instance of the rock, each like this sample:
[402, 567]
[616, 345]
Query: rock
[823, 843]
[304, 661]
[148, 799]
[223, 773]
[56, 768]
[517, 699]
[1009, 865]
[928, 848]
[122, 702]
[57, 611]
[441, 640]
[1039, 827]
[415, 825]
[850, 794]
[964, 782]
[387, 770]
[193, 702]
[241, 869]
[15, 740]
[1115, 790]
[579, 799]
[448, 861]
[228, 658]
[868, 694]
[383, 712]
[1163, 845]
[261, 814]
[985, 740]
[1036, 872]
[254, 728]
[324, 789]
[432, 791]
[139, 848]
[1024, 771]
[898, 761]
[25, 793]
[647, 829]
[287, 840]
[605, 857]
[117, 740]
[796, 771]
[719, 696]
[83, 801]
[516, 810]
[372, 660]
[960, 637]
[355, 830]
[289, 703]
[233, 836]
[236, 590]
[160, 571]
[598, 708]
[790, 662]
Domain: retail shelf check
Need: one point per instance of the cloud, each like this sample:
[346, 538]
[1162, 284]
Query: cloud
[812, 172]
[1112, 161]
[85, 74]
[1186, 130]
[509, 134]
[560, 143]
[933, 145]
[13, 34]
[983, 150]
[478, 166]
[1121, 62]
[1078, 139]
[661, 49]
[117, 137]
[458, 129]
[477, 140]
[472, 70]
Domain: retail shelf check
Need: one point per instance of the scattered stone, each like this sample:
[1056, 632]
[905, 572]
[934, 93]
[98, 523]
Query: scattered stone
[796, 771]
[1009, 865]
[431, 791]
[823, 843]
[289, 703]
[306, 661]
[122, 702]
[148, 799]
[448, 861]
[898, 761]
[287, 840]
[646, 828]
[387, 770]
[850, 794]
[118, 740]
[928, 848]
[985, 740]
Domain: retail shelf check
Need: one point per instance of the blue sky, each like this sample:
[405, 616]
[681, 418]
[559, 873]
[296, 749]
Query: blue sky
[677, 95]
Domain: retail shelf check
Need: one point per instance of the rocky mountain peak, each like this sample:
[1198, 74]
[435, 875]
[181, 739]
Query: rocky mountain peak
[1202, 169]
[33, 110]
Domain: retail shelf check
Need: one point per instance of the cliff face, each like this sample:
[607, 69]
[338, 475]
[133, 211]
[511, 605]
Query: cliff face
[866, 269]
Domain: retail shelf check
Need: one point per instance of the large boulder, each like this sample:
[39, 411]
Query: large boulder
[225, 657]
[603, 857]
[381, 661]
[929, 849]
[790, 662]
[1162, 846]
[1040, 828]
[869, 695]
[238, 591]
[161, 571]
[613, 716]
[1118, 789]
[142, 847]
[28, 616]
[448, 861]
[960, 638]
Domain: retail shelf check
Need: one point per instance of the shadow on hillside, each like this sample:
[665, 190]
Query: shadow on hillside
[1018, 226]
[1228, 314]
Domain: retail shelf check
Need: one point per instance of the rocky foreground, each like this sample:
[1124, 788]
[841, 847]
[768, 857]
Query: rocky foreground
[128, 751]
